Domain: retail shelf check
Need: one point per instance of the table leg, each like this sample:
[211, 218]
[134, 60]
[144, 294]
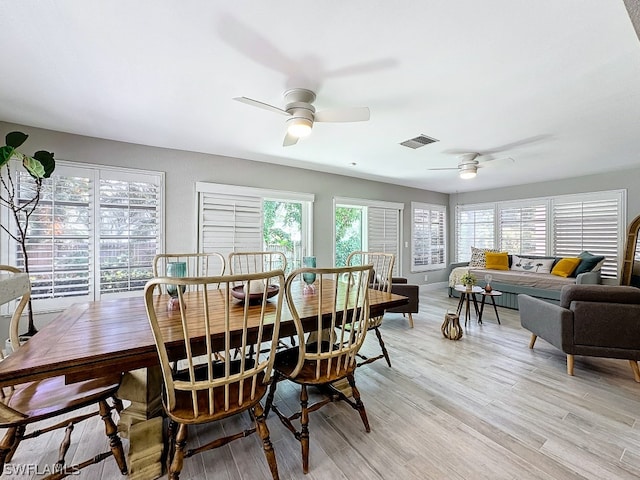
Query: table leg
[467, 312]
[495, 309]
[475, 303]
[142, 422]
[481, 309]
[460, 303]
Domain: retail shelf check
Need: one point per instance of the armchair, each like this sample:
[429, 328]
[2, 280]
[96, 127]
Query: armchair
[591, 320]
[399, 286]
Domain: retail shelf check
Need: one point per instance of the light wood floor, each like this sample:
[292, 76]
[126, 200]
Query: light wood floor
[483, 407]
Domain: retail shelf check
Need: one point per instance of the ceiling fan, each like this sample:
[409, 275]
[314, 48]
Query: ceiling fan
[468, 164]
[302, 114]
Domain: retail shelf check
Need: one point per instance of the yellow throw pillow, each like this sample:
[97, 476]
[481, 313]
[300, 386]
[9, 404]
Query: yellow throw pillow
[566, 266]
[497, 261]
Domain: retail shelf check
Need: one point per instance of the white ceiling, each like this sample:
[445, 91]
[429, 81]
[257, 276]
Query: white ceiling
[553, 84]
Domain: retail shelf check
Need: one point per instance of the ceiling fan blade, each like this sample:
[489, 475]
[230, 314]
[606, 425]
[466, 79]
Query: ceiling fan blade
[495, 162]
[289, 140]
[448, 168]
[265, 106]
[350, 114]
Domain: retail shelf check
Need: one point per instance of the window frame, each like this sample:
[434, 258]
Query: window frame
[442, 211]
[95, 172]
[365, 204]
[619, 196]
[306, 199]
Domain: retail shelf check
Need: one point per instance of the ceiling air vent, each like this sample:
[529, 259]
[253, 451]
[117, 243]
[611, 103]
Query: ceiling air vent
[419, 141]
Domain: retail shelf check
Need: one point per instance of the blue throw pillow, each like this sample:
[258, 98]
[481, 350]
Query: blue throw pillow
[587, 263]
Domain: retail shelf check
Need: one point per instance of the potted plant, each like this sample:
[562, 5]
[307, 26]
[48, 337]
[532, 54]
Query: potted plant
[468, 280]
[40, 166]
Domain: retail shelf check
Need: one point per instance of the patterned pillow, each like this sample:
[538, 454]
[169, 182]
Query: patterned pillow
[478, 258]
[533, 265]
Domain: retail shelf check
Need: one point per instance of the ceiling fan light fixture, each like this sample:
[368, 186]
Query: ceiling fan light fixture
[299, 127]
[468, 171]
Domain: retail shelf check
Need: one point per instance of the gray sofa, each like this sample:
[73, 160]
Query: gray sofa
[512, 283]
[591, 320]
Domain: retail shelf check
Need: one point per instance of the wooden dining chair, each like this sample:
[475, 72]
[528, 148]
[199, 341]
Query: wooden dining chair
[241, 263]
[328, 354]
[209, 325]
[25, 404]
[381, 280]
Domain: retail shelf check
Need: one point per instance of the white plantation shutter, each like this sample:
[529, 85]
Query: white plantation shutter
[475, 227]
[428, 237]
[522, 228]
[383, 231]
[129, 207]
[229, 223]
[592, 223]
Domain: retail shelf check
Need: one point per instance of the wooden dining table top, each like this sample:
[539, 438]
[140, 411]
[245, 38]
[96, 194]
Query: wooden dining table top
[91, 339]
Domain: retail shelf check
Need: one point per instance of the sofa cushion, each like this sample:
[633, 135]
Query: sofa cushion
[566, 266]
[588, 262]
[478, 258]
[497, 261]
[531, 264]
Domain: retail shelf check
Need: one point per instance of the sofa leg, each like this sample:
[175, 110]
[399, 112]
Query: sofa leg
[570, 365]
[533, 340]
[410, 320]
[636, 370]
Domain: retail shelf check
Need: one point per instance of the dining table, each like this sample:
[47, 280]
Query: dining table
[91, 339]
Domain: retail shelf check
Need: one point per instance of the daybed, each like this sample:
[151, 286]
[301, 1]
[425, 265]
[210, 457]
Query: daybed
[521, 276]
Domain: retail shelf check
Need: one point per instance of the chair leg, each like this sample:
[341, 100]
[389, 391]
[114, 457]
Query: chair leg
[178, 455]
[532, 341]
[384, 349]
[64, 447]
[636, 370]
[263, 431]
[304, 430]
[6, 445]
[570, 364]
[359, 405]
[272, 391]
[112, 432]
[172, 429]
[18, 438]
[410, 320]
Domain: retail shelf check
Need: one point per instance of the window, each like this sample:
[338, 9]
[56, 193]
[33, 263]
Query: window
[368, 225]
[522, 228]
[428, 237]
[95, 233]
[475, 227]
[560, 226]
[233, 218]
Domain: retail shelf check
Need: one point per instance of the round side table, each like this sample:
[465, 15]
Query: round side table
[491, 294]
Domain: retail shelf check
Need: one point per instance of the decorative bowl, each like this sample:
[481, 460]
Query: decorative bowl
[238, 292]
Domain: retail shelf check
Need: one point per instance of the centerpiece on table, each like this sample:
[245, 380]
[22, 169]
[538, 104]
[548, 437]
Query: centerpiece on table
[468, 280]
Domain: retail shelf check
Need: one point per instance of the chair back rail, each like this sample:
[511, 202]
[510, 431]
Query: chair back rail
[197, 264]
[253, 262]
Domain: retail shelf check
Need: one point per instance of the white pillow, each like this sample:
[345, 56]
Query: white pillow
[532, 265]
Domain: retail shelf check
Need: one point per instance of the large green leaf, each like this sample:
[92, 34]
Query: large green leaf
[33, 166]
[15, 139]
[6, 153]
[47, 161]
